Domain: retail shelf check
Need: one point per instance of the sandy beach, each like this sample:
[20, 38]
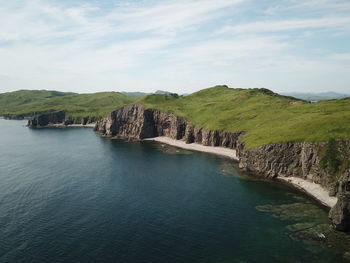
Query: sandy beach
[313, 189]
[230, 153]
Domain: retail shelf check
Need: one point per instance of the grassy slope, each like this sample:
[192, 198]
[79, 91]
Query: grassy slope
[11, 101]
[267, 117]
[76, 105]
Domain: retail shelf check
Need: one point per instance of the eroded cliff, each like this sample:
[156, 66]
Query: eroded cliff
[58, 117]
[134, 122]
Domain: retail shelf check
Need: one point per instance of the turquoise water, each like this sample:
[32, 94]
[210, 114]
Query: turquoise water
[68, 195]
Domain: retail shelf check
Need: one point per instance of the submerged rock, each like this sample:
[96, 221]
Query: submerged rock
[310, 226]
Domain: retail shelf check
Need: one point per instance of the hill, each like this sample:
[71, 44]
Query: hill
[25, 103]
[266, 117]
[11, 101]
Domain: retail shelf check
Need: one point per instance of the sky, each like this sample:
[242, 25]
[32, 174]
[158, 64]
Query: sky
[180, 45]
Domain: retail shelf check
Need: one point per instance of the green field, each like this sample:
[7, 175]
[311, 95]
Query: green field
[265, 116]
[25, 103]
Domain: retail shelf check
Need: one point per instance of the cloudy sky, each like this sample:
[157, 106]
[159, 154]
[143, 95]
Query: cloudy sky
[178, 45]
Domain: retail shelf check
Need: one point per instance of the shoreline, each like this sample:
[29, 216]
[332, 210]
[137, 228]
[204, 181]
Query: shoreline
[312, 189]
[61, 125]
[226, 152]
[315, 190]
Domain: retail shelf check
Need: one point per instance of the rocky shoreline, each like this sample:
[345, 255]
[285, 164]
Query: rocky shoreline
[282, 160]
[60, 119]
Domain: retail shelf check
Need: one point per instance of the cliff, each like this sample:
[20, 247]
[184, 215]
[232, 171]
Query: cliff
[58, 117]
[134, 122]
[300, 159]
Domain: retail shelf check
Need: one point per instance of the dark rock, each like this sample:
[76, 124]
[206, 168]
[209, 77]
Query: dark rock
[58, 117]
[134, 122]
[340, 213]
[45, 119]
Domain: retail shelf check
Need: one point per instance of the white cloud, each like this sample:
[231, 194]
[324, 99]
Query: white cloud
[146, 45]
[340, 56]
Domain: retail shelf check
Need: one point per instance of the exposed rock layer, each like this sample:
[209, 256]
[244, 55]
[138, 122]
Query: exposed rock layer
[58, 117]
[133, 122]
[300, 159]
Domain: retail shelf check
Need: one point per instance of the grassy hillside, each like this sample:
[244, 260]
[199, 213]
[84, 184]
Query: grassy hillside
[265, 116]
[26, 103]
[11, 101]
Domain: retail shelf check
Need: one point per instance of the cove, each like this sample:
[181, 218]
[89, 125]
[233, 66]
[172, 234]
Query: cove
[69, 195]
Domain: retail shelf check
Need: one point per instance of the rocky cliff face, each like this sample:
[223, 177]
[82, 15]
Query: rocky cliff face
[300, 159]
[133, 122]
[58, 117]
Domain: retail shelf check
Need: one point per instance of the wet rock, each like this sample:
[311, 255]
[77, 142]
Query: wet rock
[340, 213]
[46, 118]
[58, 117]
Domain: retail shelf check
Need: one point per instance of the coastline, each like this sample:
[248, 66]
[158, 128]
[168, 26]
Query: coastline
[61, 125]
[313, 189]
[226, 152]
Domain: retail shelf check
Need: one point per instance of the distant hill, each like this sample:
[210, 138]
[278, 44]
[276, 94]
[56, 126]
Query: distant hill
[266, 117]
[317, 96]
[162, 92]
[25, 103]
[135, 94]
[142, 94]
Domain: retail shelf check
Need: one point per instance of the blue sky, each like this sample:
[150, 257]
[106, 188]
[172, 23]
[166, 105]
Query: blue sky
[180, 46]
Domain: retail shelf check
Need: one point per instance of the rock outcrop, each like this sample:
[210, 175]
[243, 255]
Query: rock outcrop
[58, 117]
[300, 159]
[134, 122]
[340, 213]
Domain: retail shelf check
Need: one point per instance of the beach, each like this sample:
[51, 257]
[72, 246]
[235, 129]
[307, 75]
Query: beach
[313, 189]
[226, 152]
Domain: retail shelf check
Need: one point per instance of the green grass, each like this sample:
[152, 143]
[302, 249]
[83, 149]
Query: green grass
[266, 117]
[27, 103]
[12, 101]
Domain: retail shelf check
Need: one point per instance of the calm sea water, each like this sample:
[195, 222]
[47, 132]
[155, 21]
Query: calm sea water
[68, 195]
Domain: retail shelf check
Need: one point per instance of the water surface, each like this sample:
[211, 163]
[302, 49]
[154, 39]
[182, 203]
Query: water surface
[68, 195]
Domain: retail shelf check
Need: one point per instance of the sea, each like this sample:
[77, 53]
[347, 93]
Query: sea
[70, 195]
